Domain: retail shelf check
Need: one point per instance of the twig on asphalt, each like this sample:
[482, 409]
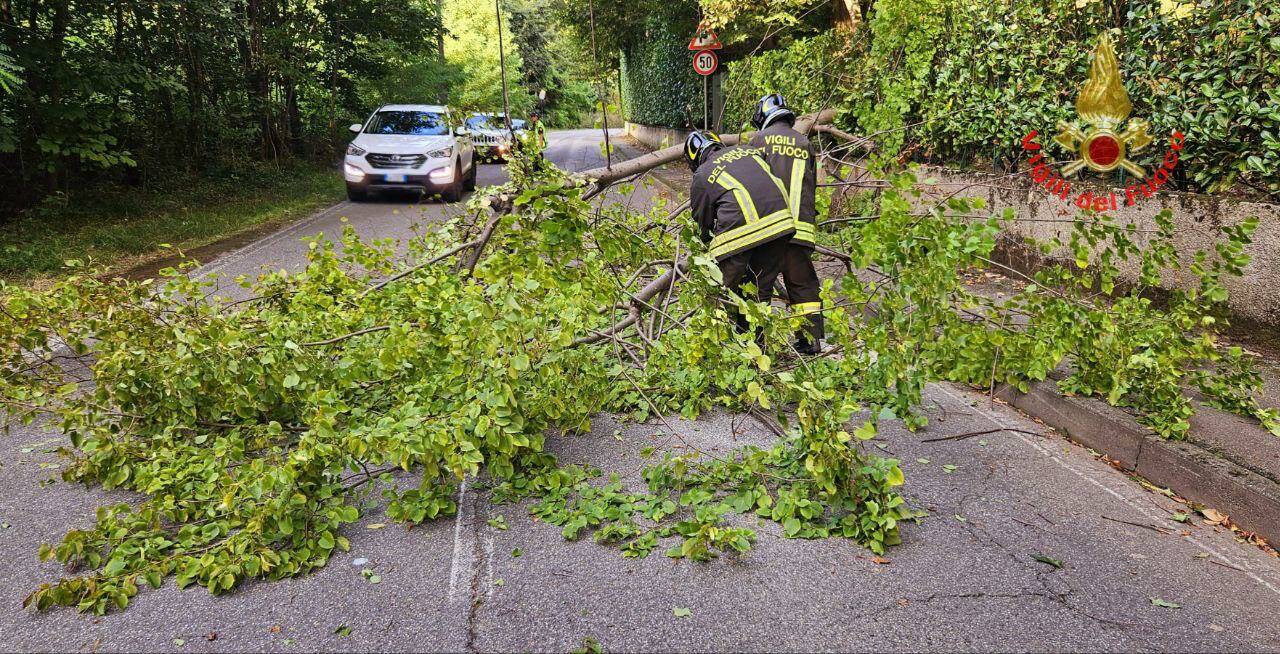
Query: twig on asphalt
[1159, 530]
[1225, 565]
[971, 434]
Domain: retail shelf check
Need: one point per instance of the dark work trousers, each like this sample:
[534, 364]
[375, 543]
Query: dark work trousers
[759, 265]
[802, 292]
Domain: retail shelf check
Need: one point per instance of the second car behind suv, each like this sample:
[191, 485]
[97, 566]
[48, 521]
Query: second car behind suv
[410, 147]
[490, 135]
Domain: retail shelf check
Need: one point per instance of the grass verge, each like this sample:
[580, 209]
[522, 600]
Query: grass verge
[119, 227]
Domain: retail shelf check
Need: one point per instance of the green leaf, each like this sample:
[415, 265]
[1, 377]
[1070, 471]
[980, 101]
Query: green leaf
[114, 567]
[1164, 604]
[681, 612]
[791, 526]
[894, 476]
[1048, 560]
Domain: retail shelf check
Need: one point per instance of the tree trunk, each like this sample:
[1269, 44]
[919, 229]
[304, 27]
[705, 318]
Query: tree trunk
[191, 57]
[258, 78]
[57, 40]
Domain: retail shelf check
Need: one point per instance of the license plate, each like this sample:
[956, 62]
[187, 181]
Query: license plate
[395, 178]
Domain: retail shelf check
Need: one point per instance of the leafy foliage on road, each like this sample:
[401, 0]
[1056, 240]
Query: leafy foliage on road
[255, 432]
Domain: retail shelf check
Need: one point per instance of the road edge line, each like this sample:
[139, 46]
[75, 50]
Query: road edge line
[1251, 500]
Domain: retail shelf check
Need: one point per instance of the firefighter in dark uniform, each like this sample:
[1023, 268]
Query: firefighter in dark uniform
[743, 212]
[791, 159]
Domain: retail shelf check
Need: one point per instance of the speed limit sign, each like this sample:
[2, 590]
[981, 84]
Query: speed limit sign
[705, 62]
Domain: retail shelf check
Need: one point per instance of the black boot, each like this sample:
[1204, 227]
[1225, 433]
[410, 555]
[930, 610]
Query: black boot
[806, 347]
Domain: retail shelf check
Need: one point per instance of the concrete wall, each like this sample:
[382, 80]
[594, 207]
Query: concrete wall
[655, 137]
[1254, 296]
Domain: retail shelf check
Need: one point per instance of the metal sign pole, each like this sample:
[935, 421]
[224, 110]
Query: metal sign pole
[706, 111]
[604, 104]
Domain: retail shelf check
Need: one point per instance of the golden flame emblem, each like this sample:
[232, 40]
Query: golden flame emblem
[1104, 105]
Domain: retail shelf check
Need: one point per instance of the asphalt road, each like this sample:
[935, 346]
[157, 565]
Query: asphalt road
[965, 577]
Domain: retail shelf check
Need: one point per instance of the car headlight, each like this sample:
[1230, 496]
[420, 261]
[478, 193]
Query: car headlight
[442, 153]
[352, 171]
[355, 150]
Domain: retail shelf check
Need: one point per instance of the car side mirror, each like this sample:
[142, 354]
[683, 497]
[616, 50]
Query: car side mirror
[355, 128]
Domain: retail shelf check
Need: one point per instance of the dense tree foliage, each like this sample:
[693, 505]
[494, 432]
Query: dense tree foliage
[148, 87]
[556, 65]
[472, 46]
[125, 90]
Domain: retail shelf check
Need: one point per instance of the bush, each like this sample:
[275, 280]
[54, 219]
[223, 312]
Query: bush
[797, 72]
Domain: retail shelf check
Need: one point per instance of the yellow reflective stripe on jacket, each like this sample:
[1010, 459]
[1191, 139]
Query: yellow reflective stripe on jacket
[806, 308]
[749, 212]
[777, 182]
[746, 236]
[797, 188]
[805, 231]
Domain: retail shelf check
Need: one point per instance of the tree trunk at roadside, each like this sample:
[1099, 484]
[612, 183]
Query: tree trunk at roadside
[57, 39]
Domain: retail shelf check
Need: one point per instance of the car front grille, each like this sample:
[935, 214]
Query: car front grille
[487, 139]
[395, 160]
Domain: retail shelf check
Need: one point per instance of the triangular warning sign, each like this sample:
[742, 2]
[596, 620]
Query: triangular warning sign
[705, 39]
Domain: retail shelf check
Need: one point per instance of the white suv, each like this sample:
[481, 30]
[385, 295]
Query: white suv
[410, 147]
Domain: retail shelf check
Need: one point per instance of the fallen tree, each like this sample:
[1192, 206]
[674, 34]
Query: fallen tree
[601, 178]
[253, 436]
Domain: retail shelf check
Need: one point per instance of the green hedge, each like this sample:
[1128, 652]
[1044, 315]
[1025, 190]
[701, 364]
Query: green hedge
[659, 86]
[971, 86]
[795, 71]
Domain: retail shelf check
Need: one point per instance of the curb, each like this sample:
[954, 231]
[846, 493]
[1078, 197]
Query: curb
[1250, 499]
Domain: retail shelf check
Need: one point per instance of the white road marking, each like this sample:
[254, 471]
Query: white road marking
[463, 550]
[1244, 566]
[488, 563]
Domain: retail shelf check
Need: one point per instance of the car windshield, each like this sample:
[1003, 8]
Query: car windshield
[415, 123]
[492, 122]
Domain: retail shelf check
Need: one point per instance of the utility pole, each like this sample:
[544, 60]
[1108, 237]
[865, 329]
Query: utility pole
[604, 105]
[502, 63]
[444, 91]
